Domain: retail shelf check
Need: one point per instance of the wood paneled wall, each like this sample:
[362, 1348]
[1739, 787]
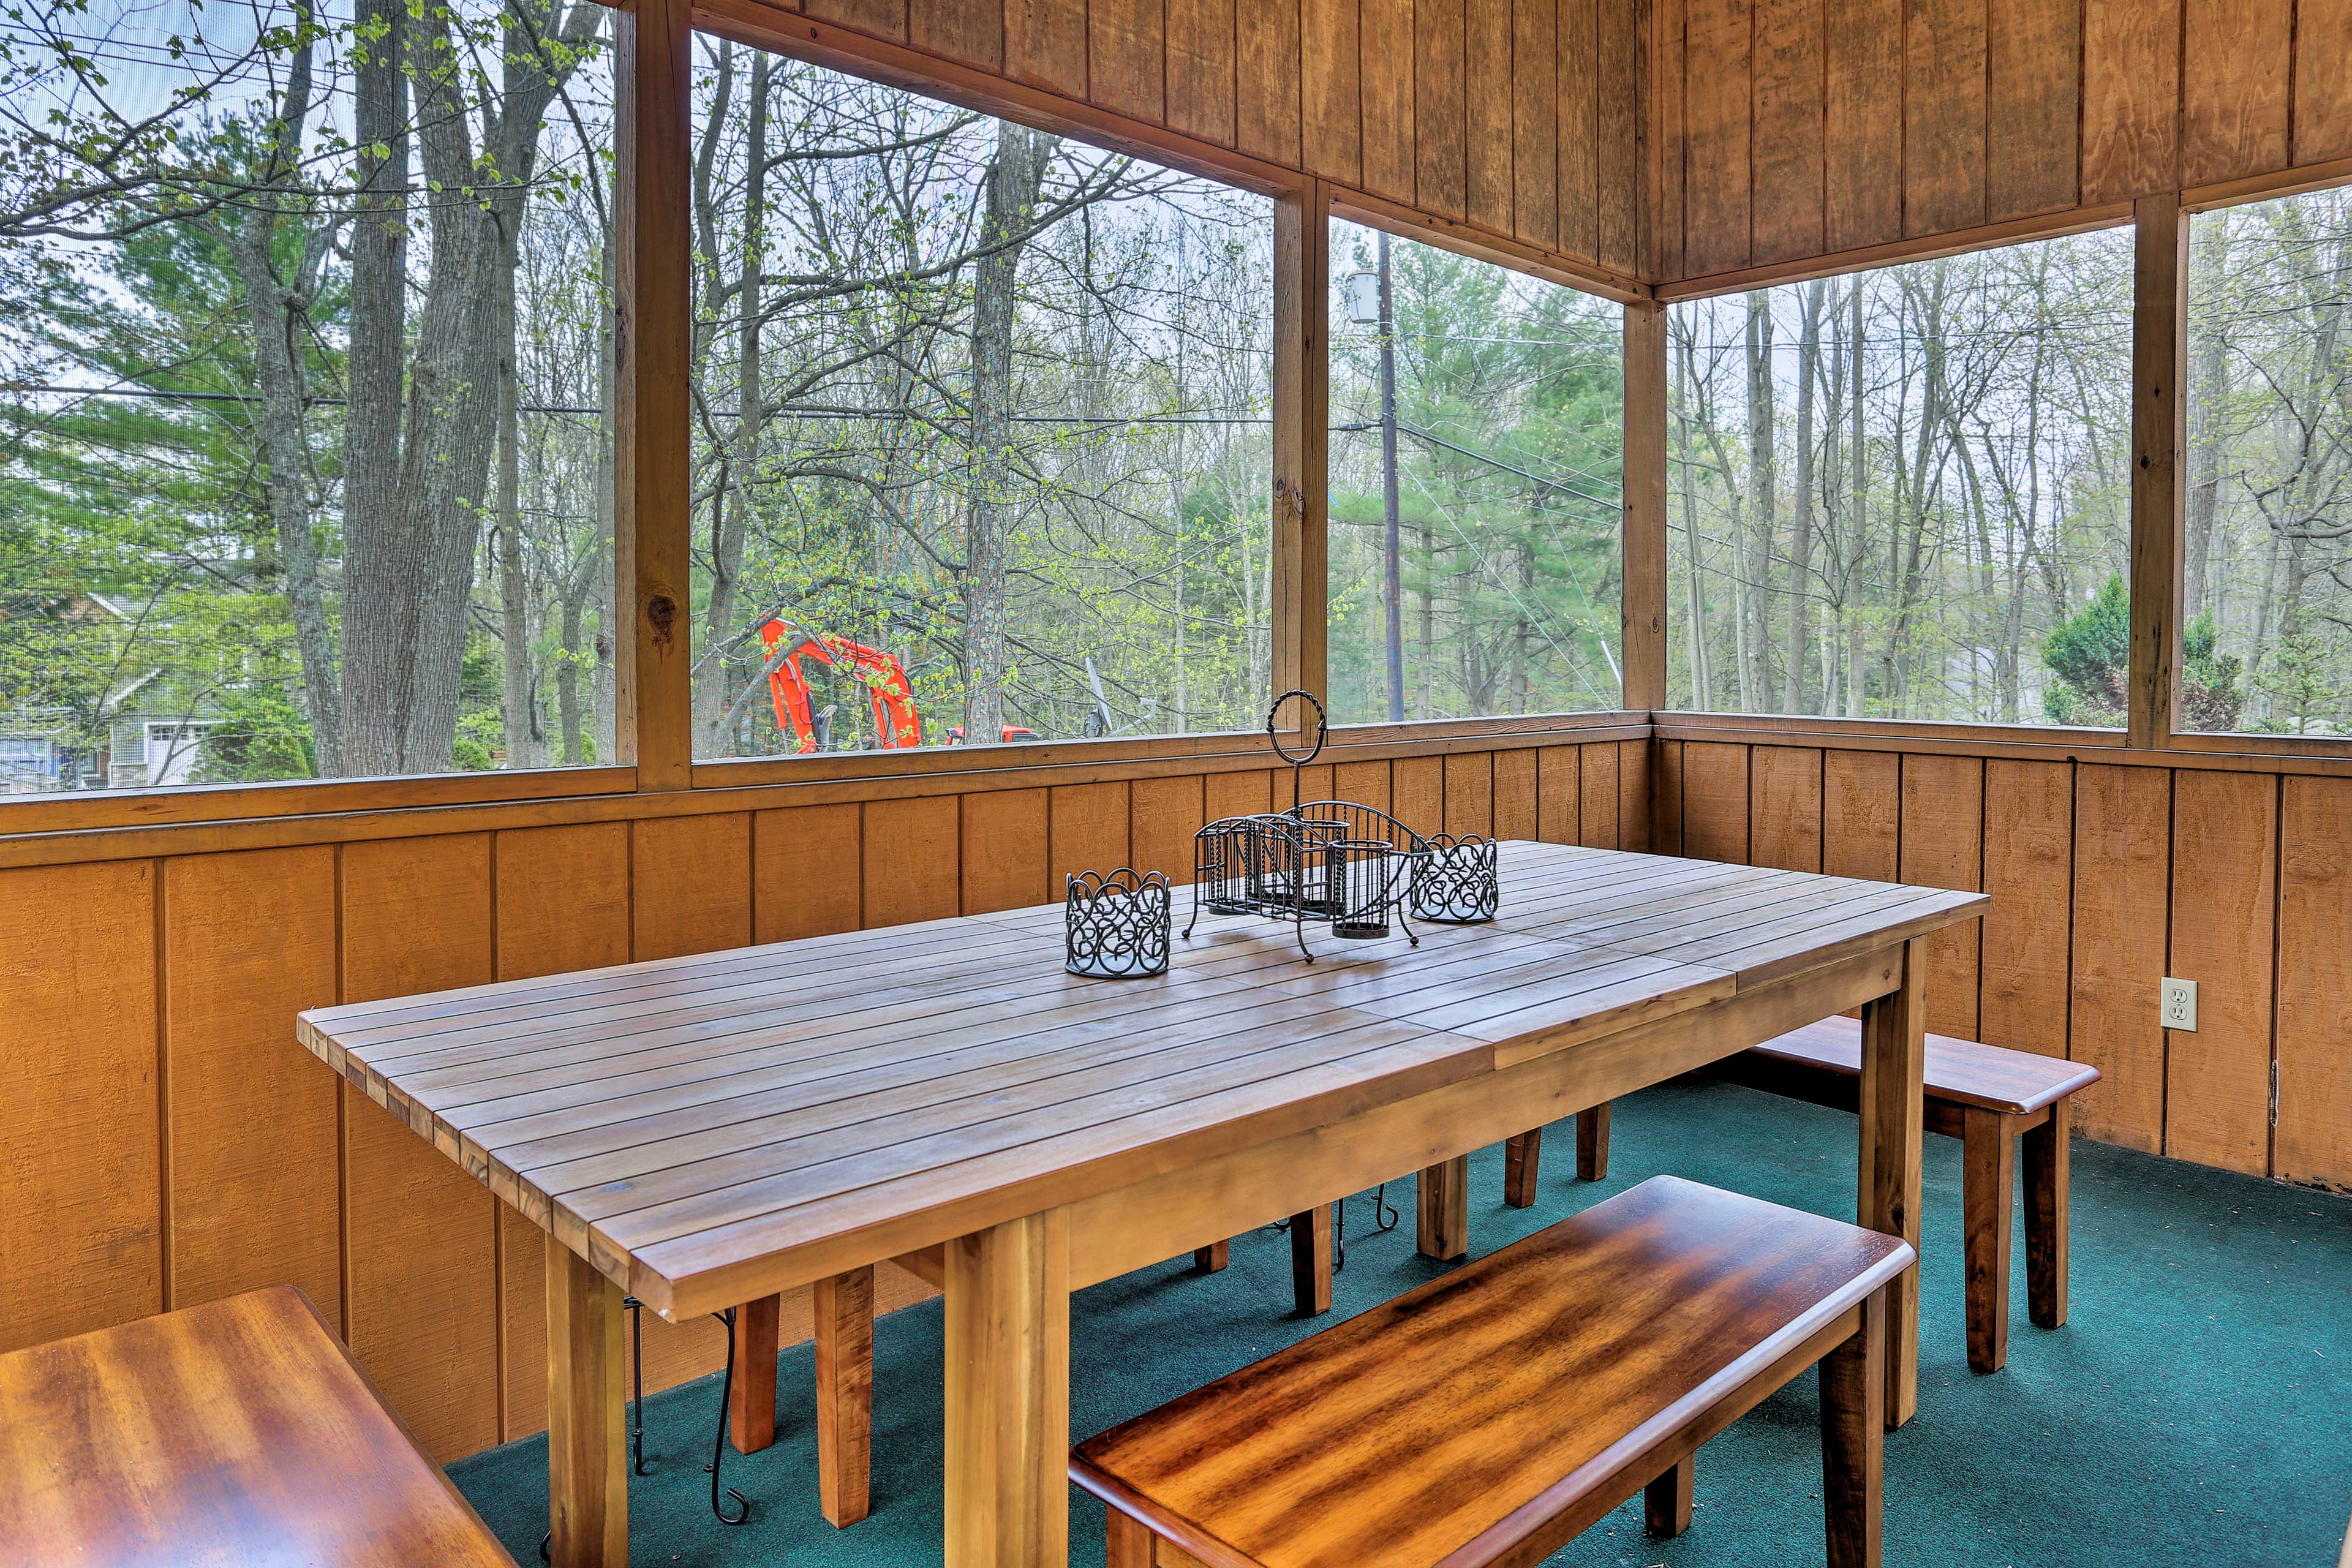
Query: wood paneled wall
[1518, 118]
[166, 1143]
[2105, 877]
[1794, 129]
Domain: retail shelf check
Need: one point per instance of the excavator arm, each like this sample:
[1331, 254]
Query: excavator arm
[896, 721]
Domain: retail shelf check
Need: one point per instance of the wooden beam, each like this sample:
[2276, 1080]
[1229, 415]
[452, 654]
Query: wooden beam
[1462, 238]
[2159, 367]
[1865, 258]
[1644, 542]
[652, 365]
[1302, 400]
[762, 25]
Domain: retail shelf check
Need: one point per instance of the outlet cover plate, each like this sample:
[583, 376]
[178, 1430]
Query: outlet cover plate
[2180, 1005]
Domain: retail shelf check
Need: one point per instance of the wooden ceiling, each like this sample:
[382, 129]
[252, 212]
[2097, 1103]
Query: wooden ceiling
[1667, 142]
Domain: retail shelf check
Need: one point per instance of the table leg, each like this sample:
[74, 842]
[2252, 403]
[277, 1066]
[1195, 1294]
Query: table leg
[752, 1402]
[844, 1394]
[1442, 1209]
[587, 1435]
[1894, 1060]
[1008, 1394]
[1310, 1259]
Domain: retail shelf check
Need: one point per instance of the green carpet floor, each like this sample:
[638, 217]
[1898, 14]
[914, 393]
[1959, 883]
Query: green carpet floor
[2196, 1409]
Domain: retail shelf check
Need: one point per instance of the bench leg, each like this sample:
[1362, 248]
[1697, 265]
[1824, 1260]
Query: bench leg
[1310, 1259]
[1853, 1439]
[1521, 1157]
[1894, 1066]
[752, 1402]
[1987, 1146]
[1666, 1502]
[2045, 1219]
[1592, 1143]
[1211, 1258]
[1127, 1545]
[844, 1394]
[1442, 1209]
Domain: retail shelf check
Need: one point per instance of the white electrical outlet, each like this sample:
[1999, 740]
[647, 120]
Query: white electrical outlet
[2180, 1005]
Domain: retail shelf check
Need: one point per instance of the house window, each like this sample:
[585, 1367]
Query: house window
[982, 445]
[1905, 493]
[2267, 544]
[1476, 445]
[306, 461]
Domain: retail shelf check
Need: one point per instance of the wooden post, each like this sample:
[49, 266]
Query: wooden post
[1310, 1259]
[651, 660]
[2159, 434]
[1894, 1069]
[2046, 1158]
[1008, 1394]
[1302, 439]
[1988, 1146]
[1666, 1502]
[1853, 1445]
[587, 1436]
[1643, 616]
[1442, 1209]
[1592, 1143]
[751, 1401]
[844, 1394]
[1522, 1160]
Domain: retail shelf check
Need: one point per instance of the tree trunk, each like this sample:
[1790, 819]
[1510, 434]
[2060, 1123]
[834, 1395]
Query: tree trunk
[572, 751]
[1014, 179]
[378, 570]
[710, 695]
[1695, 618]
[516, 707]
[1763, 486]
[1857, 531]
[2211, 391]
[417, 467]
[1800, 539]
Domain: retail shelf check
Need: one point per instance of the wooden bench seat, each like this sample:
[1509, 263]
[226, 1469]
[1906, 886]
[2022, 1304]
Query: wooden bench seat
[1492, 1414]
[235, 1433]
[1987, 1097]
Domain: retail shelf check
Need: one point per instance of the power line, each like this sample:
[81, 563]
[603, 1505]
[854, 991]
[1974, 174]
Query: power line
[1111, 420]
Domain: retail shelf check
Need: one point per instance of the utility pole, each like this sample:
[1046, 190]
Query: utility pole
[1392, 583]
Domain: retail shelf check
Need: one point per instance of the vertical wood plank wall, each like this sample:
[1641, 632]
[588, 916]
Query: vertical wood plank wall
[166, 1142]
[1519, 118]
[2105, 877]
[1796, 129]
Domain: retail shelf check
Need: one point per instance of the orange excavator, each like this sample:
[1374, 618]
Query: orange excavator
[896, 721]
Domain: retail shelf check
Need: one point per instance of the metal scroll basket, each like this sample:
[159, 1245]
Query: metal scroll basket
[1331, 862]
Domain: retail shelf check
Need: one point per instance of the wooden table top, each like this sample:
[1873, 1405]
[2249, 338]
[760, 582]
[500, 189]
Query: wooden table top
[707, 1130]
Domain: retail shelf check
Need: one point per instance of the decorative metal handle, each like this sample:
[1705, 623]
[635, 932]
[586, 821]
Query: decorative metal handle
[1273, 734]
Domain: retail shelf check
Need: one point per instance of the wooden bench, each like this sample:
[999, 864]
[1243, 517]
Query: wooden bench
[1987, 1097]
[238, 1431]
[1490, 1415]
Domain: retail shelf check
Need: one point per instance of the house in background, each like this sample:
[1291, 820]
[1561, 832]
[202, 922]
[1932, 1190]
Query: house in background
[153, 724]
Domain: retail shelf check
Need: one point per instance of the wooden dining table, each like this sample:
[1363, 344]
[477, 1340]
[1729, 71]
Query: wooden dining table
[701, 1132]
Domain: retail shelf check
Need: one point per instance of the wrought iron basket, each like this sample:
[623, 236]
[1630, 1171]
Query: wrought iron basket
[1116, 924]
[1334, 862]
[1455, 883]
